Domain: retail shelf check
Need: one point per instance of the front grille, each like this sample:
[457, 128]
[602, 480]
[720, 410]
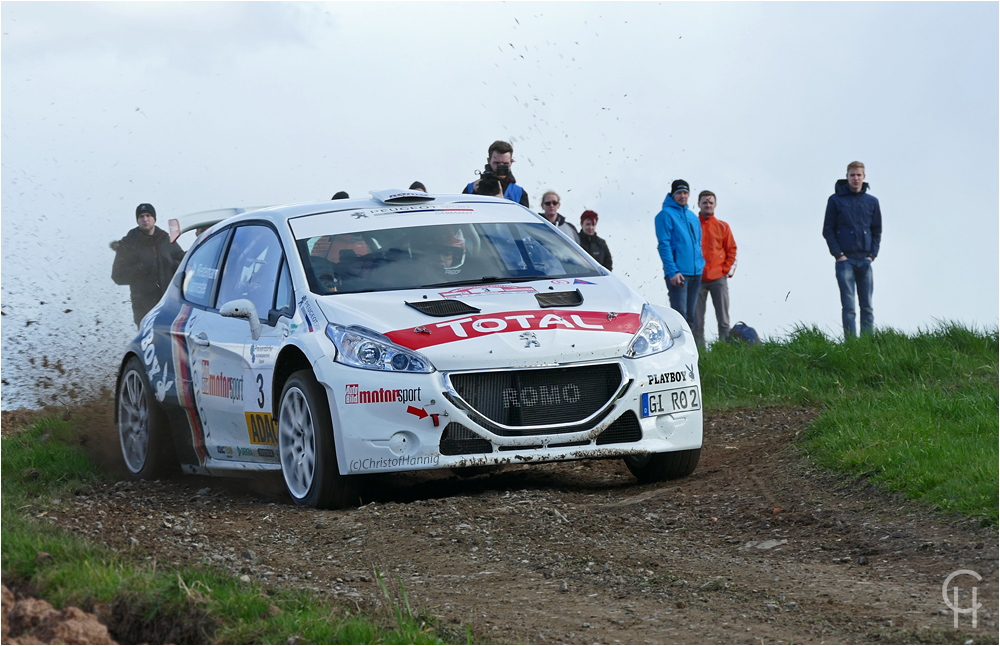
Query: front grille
[539, 397]
[445, 307]
[624, 429]
[458, 440]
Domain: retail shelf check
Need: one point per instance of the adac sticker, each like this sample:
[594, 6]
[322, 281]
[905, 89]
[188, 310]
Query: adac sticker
[471, 327]
[260, 427]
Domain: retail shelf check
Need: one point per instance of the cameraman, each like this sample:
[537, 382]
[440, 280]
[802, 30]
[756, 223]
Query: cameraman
[500, 157]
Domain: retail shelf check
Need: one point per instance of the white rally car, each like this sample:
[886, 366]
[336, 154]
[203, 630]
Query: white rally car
[403, 332]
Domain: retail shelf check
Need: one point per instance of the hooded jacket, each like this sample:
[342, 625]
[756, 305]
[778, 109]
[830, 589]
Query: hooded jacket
[717, 246]
[678, 233]
[563, 225]
[853, 223]
[145, 263]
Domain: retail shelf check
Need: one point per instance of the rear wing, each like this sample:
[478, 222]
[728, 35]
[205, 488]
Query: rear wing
[192, 221]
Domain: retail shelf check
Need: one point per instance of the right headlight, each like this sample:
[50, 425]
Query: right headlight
[363, 348]
[653, 336]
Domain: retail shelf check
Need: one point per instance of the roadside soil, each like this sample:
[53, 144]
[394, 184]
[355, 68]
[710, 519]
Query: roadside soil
[757, 546]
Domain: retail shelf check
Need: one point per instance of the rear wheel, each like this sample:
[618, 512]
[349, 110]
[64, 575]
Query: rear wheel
[657, 467]
[143, 433]
[306, 446]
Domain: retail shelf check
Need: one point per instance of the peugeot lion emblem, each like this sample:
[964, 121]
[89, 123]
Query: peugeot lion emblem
[530, 340]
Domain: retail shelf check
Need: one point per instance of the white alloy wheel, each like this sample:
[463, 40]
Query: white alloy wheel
[133, 421]
[297, 442]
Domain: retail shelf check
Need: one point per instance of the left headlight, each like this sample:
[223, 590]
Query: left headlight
[653, 336]
[363, 348]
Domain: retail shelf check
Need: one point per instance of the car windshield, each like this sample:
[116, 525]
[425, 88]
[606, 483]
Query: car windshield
[439, 256]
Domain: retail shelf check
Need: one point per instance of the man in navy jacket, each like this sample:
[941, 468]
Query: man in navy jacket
[853, 231]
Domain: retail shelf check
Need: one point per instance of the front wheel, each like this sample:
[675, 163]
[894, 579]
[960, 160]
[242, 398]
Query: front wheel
[657, 467]
[143, 433]
[306, 446]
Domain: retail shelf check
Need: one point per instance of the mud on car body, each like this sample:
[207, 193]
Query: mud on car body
[335, 340]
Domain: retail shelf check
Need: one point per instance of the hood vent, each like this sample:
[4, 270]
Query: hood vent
[444, 307]
[560, 299]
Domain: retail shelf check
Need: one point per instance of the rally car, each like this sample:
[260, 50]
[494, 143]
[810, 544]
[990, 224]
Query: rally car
[408, 331]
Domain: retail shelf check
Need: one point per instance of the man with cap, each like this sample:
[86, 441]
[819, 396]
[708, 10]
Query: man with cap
[593, 243]
[145, 260]
[678, 233]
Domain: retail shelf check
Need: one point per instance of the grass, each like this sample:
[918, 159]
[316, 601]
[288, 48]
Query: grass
[147, 603]
[918, 414]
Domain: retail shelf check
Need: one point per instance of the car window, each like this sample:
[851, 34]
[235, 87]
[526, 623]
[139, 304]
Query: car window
[251, 267]
[439, 255]
[284, 299]
[202, 270]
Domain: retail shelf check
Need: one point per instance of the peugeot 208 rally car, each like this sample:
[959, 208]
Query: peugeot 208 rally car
[403, 332]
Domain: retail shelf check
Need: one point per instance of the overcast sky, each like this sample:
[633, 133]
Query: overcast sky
[195, 106]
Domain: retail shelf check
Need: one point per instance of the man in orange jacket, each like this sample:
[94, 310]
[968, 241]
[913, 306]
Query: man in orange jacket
[719, 249]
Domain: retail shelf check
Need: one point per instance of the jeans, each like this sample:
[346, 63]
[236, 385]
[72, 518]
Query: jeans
[684, 298]
[855, 274]
[719, 289]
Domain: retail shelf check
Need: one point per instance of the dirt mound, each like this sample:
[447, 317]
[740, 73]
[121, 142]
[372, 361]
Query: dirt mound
[33, 621]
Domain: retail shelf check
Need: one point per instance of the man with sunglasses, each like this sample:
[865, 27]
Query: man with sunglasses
[550, 211]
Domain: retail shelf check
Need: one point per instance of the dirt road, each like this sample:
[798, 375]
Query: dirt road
[758, 546]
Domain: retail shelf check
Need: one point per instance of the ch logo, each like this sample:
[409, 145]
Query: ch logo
[953, 603]
[530, 340]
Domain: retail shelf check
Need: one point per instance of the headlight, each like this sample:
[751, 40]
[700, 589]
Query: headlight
[653, 335]
[363, 348]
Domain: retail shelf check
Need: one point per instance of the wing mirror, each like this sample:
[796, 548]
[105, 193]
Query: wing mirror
[242, 308]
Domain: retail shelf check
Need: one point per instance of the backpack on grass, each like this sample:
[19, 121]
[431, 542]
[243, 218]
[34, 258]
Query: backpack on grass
[743, 333]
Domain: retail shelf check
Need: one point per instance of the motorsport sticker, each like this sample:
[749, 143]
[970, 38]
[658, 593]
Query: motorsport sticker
[219, 385]
[308, 313]
[261, 428]
[244, 452]
[224, 450]
[559, 281]
[354, 395]
[471, 327]
[577, 281]
[265, 453]
[487, 290]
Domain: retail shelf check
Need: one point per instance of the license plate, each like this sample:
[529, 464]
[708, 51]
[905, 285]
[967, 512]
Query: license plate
[665, 402]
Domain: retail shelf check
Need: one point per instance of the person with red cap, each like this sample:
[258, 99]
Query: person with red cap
[591, 242]
[145, 260]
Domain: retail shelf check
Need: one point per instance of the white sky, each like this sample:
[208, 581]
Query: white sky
[194, 106]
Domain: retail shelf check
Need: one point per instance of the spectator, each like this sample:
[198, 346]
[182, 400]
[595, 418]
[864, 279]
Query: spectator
[418, 186]
[591, 242]
[550, 211]
[719, 250]
[340, 195]
[145, 260]
[853, 232]
[499, 159]
[678, 233]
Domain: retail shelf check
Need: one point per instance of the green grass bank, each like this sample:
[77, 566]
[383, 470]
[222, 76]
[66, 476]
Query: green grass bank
[915, 413]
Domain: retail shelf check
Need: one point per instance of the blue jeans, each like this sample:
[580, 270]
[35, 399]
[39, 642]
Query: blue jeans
[684, 298]
[855, 274]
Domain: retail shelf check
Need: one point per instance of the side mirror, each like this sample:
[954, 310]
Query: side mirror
[242, 308]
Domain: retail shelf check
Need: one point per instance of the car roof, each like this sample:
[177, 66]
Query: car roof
[367, 213]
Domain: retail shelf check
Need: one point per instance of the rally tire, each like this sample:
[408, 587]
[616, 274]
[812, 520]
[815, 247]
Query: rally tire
[657, 467]
[306, 446]
[143, 433]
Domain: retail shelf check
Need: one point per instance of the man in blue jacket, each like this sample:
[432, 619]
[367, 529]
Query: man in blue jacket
[678, 232]
[499, 157]
[853, 231]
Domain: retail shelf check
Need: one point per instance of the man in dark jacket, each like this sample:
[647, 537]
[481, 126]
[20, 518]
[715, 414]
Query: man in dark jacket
[499, 158]
[593, 243]
[853, 232]
[145, 260]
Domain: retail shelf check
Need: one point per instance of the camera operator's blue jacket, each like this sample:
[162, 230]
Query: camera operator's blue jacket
[513, 192]
[678, 232]
[853, 223]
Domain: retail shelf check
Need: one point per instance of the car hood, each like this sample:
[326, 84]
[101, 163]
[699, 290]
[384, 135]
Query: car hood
[597, 320]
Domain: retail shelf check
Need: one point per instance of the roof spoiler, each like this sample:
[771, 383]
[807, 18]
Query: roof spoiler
[401, 196]
[177, 226]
